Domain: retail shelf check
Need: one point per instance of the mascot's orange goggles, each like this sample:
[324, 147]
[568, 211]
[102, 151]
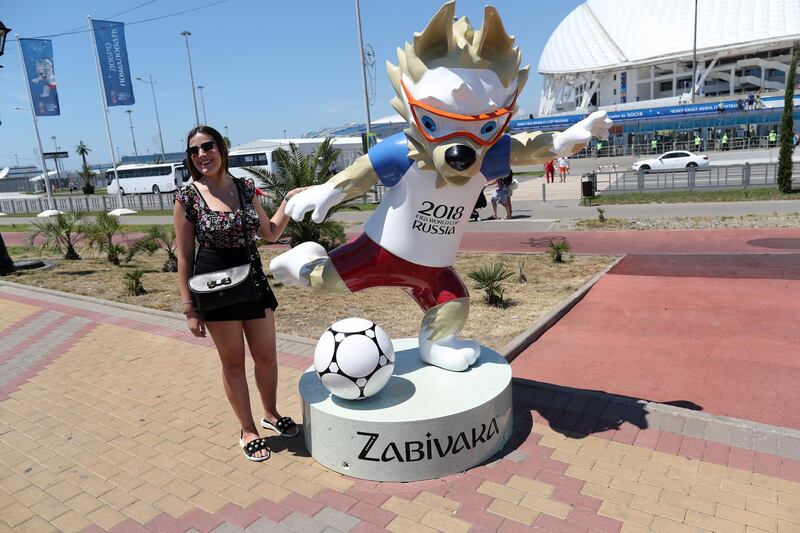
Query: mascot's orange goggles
[438, 125]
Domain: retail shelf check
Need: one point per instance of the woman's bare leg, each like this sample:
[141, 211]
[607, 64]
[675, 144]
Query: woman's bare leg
[260, 334]
[228, 338]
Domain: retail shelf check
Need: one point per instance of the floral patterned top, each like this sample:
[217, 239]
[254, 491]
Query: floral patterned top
[221, 229]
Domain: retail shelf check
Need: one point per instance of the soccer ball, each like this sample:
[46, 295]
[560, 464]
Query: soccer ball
[354, 359]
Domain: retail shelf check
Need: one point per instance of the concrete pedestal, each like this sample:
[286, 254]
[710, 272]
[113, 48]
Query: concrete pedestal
[426, 423]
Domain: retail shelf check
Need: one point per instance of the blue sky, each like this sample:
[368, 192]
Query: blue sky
[267, 66]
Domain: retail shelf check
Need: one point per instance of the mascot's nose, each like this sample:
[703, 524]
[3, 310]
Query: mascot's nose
[459, 157]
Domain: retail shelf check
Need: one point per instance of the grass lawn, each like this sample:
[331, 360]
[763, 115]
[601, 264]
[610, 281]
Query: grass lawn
[674, 197]
[307, 314]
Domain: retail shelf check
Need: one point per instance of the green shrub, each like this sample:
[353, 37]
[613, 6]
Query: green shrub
[133, 282]
[557, 250]
[489, 279]
[521, 277]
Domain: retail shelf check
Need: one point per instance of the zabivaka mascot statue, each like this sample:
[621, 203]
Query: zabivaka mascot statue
[457, 87]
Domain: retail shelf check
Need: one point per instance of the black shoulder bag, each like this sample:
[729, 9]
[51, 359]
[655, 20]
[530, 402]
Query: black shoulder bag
[234, 285]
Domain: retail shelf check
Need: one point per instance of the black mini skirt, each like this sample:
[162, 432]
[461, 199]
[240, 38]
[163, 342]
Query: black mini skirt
[211, 259]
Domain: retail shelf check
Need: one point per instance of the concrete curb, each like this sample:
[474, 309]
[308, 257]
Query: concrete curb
[511, 350]
[735, 432]
[131, 307]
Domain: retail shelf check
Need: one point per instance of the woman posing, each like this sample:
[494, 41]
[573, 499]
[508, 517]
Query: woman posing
[219, 212]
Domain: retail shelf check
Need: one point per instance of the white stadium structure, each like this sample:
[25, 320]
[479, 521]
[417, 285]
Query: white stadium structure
[626, 54]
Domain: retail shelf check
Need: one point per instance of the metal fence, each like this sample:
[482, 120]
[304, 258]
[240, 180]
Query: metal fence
[611, 150]
[137, 202]
[716, 177]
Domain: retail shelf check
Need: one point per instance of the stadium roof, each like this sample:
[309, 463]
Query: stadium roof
[603, 35]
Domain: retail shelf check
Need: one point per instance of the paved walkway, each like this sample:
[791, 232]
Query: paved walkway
[99, 434]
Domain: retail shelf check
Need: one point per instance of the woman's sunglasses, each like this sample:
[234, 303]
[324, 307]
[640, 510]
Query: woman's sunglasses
[195, 150]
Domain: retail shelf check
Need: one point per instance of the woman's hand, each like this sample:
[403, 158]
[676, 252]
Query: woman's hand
[196, 325]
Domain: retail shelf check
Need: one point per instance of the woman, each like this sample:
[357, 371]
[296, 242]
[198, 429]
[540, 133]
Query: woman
[563, 168]
[219, 212]
[502, 194]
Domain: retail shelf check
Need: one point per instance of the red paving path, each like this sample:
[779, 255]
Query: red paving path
[720, 331]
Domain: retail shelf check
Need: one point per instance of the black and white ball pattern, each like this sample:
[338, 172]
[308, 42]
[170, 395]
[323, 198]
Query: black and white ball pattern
[354, 358]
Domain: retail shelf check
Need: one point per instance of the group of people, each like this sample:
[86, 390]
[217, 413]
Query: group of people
[550, 170]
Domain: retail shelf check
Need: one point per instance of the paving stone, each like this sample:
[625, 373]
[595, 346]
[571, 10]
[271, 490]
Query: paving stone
[301, 523]
[337, 519]
[227, 527]
[265, 525]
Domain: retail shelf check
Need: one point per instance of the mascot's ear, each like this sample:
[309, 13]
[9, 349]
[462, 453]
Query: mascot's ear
[492, 41]
[437, 38]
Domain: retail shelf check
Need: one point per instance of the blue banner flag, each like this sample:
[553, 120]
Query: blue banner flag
[37, 54]
[113, 57]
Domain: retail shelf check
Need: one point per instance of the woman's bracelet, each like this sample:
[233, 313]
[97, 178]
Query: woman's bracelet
[190, 311]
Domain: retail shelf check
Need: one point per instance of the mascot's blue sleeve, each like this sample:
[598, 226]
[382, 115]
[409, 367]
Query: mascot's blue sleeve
[389, 159]
[496, 162]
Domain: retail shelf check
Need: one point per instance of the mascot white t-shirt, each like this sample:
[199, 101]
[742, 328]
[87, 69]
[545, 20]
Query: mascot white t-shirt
[416, 221]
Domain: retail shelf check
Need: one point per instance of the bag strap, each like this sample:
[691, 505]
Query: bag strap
[255, 258]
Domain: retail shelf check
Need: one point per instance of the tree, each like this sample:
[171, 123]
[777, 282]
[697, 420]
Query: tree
[100, 234]
[158, 237]
[86, 173]
[787, 128]
[82, 150]
[60, 235]
[227, 141]
[293, 170]
[88, 176]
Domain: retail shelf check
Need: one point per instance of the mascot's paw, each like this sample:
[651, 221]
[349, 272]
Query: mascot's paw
[450, 353]
[287, 268]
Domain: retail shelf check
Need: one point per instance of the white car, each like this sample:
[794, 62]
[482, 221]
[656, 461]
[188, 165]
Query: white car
[672, 161]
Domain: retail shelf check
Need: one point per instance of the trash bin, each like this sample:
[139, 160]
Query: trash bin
[588, 186]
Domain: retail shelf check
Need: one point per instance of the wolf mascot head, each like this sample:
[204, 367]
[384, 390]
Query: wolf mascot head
[457, 88]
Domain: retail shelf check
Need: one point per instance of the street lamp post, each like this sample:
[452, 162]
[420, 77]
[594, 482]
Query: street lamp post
[203, 102]
[130, 121]
[186, 35]
[6, 263]
[363, 68]
[55, 161]
[158, 122]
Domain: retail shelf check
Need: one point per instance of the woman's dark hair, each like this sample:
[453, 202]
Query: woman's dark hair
[220, 144]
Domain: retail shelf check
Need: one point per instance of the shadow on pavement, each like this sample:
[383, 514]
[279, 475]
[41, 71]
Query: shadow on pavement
[576, 413]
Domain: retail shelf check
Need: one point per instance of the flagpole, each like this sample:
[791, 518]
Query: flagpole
[105, 110]
[50, 204]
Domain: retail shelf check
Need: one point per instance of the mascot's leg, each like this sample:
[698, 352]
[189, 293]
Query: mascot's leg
[438, 341]
[307, 265]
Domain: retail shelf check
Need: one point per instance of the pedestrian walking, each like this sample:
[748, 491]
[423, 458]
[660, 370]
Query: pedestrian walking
[563, 168]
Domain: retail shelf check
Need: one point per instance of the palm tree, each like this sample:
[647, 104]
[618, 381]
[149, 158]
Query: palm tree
[158, 237]
[86, 173]
[293, 170]
[82, 150]
[100, 234]
[60, 235]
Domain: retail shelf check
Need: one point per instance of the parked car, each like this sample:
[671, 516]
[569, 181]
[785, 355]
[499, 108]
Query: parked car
[672, 161]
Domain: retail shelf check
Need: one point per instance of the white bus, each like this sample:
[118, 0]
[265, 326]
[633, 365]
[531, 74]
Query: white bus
[258, 154]
[156, 178]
